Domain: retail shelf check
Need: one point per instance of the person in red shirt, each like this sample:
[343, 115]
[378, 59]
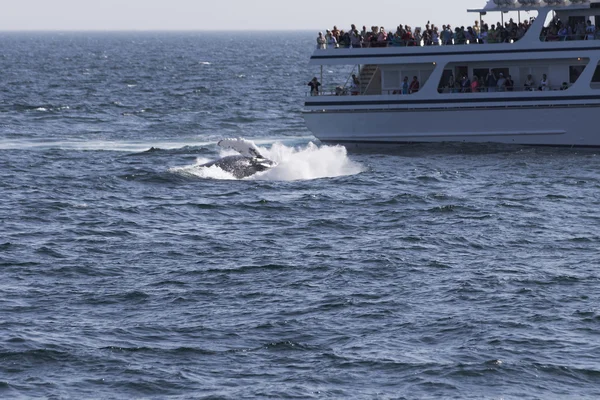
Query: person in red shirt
[475, 84]
[414, 86]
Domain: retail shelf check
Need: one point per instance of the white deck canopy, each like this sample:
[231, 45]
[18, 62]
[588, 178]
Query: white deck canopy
[532, 5]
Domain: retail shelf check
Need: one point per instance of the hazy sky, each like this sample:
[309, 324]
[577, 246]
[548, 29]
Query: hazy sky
[229, 14]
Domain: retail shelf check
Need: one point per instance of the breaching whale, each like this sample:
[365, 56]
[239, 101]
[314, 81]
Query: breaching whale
[247, 163]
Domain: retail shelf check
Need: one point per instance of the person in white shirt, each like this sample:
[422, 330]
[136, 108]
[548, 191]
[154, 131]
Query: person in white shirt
[529, 83]
[435, 37]
[590, 31]
[321, 41]
[331, 40]
[501, 82]
[544, 83]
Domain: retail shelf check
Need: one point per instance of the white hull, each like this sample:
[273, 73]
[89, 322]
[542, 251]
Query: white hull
[554, 126]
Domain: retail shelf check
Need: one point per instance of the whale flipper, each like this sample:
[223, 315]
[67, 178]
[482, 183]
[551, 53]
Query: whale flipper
[244, 147]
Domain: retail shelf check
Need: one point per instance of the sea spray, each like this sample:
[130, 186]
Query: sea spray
[292, 163]
[306, 163]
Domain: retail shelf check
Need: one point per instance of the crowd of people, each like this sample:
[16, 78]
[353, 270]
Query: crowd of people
[493, 82]
[490, 83]
[404, 35]
[557, 30]
[432, 35]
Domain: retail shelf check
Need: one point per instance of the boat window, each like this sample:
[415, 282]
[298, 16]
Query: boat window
[393, 77]
[560, 27]
[513, 76]
[445, 78]
[424, 75]
[574, 72]
[500, 71]
[481, 72]
[460, 71]
[596, 78]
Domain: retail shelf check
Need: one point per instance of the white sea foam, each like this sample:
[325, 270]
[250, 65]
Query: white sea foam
[197, 171]
[306, 163]
[293, 163]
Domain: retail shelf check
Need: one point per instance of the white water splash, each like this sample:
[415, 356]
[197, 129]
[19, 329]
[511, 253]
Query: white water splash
[293, 163]
[198, 171]
[310, 162]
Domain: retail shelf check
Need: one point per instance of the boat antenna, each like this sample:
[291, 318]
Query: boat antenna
[321, 74]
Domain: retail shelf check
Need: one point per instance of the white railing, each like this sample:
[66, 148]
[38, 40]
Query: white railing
[340, 91]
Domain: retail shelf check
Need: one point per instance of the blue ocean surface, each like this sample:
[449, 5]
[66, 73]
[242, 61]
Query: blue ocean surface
[127, 270]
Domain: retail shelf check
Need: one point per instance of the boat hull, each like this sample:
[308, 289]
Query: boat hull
[553, 126]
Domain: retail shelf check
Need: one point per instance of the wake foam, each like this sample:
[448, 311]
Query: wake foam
[293, 163]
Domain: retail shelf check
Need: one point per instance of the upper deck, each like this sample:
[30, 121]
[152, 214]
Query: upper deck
[560, 25]
[532, 5]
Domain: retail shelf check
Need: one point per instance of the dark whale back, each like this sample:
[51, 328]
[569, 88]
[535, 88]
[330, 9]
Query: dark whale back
[241, 166]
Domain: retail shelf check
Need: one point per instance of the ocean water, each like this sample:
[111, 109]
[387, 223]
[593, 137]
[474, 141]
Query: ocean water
[129, 271]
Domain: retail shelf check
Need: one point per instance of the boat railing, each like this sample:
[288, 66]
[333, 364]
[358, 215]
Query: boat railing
[549, 37]
[346, 91]
[416, 43]
[483, 89]
[337, 91]
[411, 43]
[567, 38]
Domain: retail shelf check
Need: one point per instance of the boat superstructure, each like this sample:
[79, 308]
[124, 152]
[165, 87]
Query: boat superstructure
[553, 97]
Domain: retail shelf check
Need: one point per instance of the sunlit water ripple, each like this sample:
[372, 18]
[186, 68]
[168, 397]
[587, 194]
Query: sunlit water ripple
[426, 272]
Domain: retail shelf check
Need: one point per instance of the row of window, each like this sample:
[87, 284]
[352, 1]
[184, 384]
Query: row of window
[520, 78]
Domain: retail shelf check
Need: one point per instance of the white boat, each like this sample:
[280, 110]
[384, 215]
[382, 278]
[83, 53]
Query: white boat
[562, 110]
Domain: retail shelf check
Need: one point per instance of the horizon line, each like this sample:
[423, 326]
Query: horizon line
[53, 30]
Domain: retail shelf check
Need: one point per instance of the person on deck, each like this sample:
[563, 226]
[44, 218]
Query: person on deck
[314, 86]
[509, 85]
[451, 84]
[465, 84]
[447, 35]
[355, 39]
[355, 86]
[321, 42]
[331, 40]
[476, 31]
[475, 84]
[405, 85]
[491, 82]
[544, 83]
[414, 86]
[590, 31]
[529, 83]
[501, 84]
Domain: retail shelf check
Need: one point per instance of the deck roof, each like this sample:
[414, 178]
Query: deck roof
[491, 6]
